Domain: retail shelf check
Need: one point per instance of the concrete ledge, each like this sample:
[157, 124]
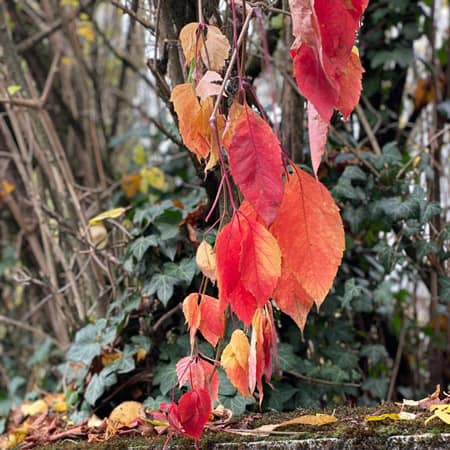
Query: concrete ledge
[412, 442]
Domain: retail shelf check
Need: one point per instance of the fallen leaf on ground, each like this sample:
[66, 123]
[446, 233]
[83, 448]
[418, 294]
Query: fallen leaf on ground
[314, 420]
[391, 416]
[441, 412]
[125, 413]
[36, 408]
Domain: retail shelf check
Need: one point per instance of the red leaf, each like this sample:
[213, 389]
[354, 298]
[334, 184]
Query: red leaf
[248, 264]
[255, 163]
[200, 374]
[309, 213]
[194, 409]
[328, 73]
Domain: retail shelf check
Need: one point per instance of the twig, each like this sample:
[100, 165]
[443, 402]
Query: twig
[164, 317]
[313, 380]
[398, 358]
[133, 15]
[29, 328]
[367, 128]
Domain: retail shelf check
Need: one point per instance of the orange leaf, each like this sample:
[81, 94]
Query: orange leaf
[349, 80]
[189, 42]
[310, 233]
[208, 317]
[191, 313]
[190, 114]
[235, 361]
[130, 184]
[212, 319]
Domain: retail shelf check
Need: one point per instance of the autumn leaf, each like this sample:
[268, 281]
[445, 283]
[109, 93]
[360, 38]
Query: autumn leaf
[441, 412]
[317, 132]
[190, 43]
[311, 260]
[205, 258]
[209, 85]
[261, 350]
[255, 164]
[194, 409]
[200, 374]
[34, 409]
[234, 361]
[110, 214]
[125, 413]
[248, 264]
[326, 64]
[313, 420]
[208, 317]
[216, 49]
[193, 120]
[130, 185]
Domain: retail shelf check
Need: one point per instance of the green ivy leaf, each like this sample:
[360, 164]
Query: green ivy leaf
[98, 384]
[162, 285]
[166, 378]
[184, 270]
[141, 245]
[374, 353]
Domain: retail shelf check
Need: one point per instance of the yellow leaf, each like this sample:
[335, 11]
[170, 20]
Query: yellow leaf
[70, 3]
[440, 407]
[86, 31]
[109, 357]
[13, 89]
[139, 155]
[57, 402]
[125, 413]
[206, 260]
[67, 60]
[110, 214]
[381, 417]
[316, 420]
[6, 187]
[153, 177]
[34, 409]
[18, 435]
[141, 354]
[234, 361]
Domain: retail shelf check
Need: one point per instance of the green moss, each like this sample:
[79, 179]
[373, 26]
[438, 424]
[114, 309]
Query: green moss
[350, 425]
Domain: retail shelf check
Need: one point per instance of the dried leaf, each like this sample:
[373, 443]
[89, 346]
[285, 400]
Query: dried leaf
[316, 420]
[381, 417]
[206, 260]
[216, 49]
[125, 413]
[189, 42]
[34, 409]
[130, 185]
[209, 85]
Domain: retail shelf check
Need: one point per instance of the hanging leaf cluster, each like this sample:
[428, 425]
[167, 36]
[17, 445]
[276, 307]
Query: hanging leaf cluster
[283, 244]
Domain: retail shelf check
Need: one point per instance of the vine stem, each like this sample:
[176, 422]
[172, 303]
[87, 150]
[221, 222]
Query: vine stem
[213, 117]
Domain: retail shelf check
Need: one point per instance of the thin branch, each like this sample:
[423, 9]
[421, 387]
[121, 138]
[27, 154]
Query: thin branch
[29, 328]
[313, 380]
[133, 15]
